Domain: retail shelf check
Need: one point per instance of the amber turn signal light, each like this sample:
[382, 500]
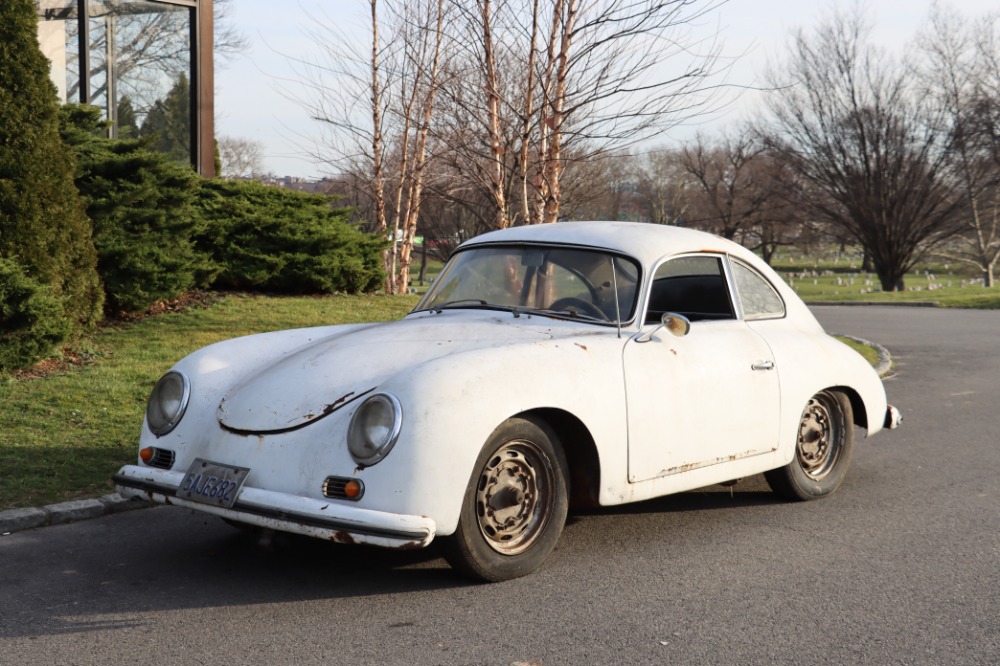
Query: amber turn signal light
[146, 454]
[353, 489]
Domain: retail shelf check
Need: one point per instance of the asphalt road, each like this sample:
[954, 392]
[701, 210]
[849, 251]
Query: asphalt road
[900, 566]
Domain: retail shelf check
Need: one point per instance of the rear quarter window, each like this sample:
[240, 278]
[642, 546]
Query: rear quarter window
[759, 298]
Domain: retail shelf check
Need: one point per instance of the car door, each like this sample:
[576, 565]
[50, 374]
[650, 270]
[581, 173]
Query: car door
[708, 397]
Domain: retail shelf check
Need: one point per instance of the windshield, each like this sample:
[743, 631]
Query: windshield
[556, 281]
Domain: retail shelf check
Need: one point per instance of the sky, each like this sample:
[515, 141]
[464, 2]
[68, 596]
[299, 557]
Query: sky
[255, 89]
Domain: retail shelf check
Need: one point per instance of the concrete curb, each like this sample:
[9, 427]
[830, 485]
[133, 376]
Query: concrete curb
[874, 304]
[884, 357]
[17, 520]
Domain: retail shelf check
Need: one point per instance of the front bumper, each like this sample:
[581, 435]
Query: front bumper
[323, 519]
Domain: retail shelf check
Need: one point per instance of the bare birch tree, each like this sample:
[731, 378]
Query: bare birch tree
[487, 105]
[962, 59]
[423, 45]
[564, 81]
[375, 99]
[378, 151]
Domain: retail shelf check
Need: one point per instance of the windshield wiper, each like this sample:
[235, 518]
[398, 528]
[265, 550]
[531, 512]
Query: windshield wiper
[565, 314]
[517, 311]
[474, 303]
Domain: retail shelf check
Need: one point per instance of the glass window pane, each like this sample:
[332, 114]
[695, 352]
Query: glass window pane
[140, 67]
[591, 283]
[759, 299]
[692, 286]
[58, 35]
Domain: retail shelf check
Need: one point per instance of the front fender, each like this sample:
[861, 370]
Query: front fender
[452, 406]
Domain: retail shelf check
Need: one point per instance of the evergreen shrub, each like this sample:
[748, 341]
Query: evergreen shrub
[31, 321]
[145, 220]
[271, 240]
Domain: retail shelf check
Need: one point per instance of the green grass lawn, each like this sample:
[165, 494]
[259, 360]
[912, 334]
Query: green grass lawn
[947, 291]
[835, 278]
[62, 436]
[865, 350]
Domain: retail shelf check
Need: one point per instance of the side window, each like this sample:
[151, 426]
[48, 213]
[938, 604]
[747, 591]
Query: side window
[692, 286]
[759, 299]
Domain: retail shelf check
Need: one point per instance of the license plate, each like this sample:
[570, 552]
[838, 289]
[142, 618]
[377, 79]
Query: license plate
[212, 483]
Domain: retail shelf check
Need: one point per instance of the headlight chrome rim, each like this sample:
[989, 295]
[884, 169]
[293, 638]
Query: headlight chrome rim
[160, 420]
[362, 448]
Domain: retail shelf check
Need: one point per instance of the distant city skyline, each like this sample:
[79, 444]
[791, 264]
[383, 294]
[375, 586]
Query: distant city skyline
[251, 104]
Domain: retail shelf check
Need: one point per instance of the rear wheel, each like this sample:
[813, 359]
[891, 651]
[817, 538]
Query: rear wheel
[515, 505]
[822, 451]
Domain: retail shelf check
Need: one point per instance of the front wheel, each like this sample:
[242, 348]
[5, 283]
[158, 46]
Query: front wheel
[515, 505]
[822, 451]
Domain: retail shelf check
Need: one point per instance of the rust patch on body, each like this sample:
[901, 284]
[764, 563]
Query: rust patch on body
[708, 463]
[337, 403]
[583, 347]
[342, 537]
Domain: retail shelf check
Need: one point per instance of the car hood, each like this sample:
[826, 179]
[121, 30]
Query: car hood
[324, 375]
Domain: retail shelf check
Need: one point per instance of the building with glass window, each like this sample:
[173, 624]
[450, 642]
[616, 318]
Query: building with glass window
[146, 63]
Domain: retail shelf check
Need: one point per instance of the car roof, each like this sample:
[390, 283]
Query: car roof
[649, 243]
[646, 242]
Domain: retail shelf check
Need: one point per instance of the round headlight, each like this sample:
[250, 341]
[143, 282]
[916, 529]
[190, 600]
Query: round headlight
[167, 402]
[374, 428]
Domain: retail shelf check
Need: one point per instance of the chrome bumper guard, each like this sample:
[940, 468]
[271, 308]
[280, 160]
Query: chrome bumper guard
[322, 519]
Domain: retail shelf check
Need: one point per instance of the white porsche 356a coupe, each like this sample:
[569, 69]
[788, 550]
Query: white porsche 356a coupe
[583, 363]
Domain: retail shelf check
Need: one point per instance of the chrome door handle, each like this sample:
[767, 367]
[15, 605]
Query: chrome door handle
[763, 365]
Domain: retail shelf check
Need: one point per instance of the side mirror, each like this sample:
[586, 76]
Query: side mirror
[678, 325]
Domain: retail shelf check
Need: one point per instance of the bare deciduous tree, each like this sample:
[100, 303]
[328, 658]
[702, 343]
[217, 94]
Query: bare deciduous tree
[662, 186]
[844, 117]
[570, 81]
[227, 40]
[727, 192]
[779, 220]
[490, 109]
[377, 102]
[961, 73]
[241, 158]
[423, 53]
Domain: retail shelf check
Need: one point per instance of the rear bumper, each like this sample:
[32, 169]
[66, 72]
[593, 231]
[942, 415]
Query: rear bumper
[893, 417]
[323, 519]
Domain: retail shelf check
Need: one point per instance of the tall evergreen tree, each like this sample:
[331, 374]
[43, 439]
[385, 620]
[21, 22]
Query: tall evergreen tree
[168, 123]
[43, 226]
[127, 124]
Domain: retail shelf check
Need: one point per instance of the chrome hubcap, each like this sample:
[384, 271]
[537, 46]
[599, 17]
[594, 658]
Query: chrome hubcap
[514, 497]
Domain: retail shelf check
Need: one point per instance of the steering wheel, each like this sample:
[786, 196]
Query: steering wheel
[573, 303]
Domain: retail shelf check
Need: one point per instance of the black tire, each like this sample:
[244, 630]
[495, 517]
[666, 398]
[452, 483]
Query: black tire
[515, 506]
[822, 450]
